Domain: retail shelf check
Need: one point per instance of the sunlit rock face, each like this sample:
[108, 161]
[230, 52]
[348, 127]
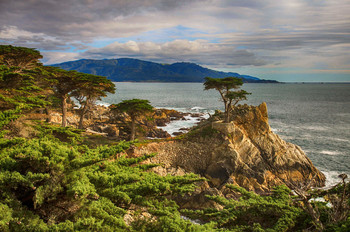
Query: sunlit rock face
[244, 152]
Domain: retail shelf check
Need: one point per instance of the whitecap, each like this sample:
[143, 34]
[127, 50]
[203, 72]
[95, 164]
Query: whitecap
[332, 178]
[316, 128]
[197, 108]
[339, 139]
[176, 125]
[327, 152]
[182, 110]
[101, 103]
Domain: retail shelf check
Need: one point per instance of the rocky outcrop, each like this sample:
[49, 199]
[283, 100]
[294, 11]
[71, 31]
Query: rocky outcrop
[100, 120]
[244, 152]
[164, 116]
[109, 129]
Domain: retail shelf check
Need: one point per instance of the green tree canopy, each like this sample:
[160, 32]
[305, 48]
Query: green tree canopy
[64, 82]
[224, 86]
[23, 84]
[86, 88]
[21, 57]
[134, 108]
[48, 185]
[91, 88]
[236, 96]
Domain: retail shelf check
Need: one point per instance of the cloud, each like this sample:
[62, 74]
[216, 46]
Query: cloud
[59, 57]
[301, 34]
[87, 19]
[14, 35]
[198, 51]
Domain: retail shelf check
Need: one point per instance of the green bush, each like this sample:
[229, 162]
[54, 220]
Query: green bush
[49, 185]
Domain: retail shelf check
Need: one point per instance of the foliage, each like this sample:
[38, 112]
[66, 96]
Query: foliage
[50, 185]
[64, 134]
[86, 88]
[23, 80]
[279, 211]
[236, 96]
[23, 84]
[134, 108]
[252, 212]
[90, 88]
[224, 86]
[6, 117]
[21, 57]
[26, 88]
[199, 132]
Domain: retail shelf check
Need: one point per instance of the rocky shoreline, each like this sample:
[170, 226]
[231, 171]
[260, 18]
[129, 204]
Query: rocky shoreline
[151, 125]
[245, 152]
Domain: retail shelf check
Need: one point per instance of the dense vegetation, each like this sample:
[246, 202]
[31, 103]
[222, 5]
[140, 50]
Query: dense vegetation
[56, 180]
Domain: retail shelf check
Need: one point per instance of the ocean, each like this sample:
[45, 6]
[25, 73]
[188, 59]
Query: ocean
[314, 116]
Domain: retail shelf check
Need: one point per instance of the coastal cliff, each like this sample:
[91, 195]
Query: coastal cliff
[244, 152]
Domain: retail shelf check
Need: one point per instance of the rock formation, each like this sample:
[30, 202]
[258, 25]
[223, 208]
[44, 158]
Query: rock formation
[244, 152]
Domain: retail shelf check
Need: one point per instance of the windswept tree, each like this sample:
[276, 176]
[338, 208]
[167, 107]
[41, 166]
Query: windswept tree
[64, 83]
[236, 96]
[22, 82]
[134, 108]
[19, 57]
[90, 89]
[224, 86]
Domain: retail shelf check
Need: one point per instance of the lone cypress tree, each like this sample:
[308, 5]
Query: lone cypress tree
[225, 86]
[134, 108]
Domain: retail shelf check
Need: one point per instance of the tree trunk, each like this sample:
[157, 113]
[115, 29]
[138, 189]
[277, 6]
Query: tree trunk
[313, 212]
[64, 111]
[227, 113]
[314, 215]
[81, 121]
[48, 114]
[227, 116]
[132, 136]
[82, 113]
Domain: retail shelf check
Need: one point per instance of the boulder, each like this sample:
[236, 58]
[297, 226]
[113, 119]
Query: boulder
[111, 130]
[158, 133]
[177, 133]
[162, 121]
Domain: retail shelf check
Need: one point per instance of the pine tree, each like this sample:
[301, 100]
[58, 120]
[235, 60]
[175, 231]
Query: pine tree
[133, 108]
[224, 86]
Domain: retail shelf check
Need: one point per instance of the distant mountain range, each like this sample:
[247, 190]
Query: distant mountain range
[134, 70]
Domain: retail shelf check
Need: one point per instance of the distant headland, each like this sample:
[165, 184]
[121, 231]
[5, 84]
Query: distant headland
[134, 70]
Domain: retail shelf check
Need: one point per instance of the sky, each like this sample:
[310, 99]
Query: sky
[284, 40]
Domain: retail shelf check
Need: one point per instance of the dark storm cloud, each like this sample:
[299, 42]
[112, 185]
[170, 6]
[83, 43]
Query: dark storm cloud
[54, 17]
[82, 20]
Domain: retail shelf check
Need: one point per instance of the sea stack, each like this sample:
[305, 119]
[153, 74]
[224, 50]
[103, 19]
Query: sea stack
[244, 152]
